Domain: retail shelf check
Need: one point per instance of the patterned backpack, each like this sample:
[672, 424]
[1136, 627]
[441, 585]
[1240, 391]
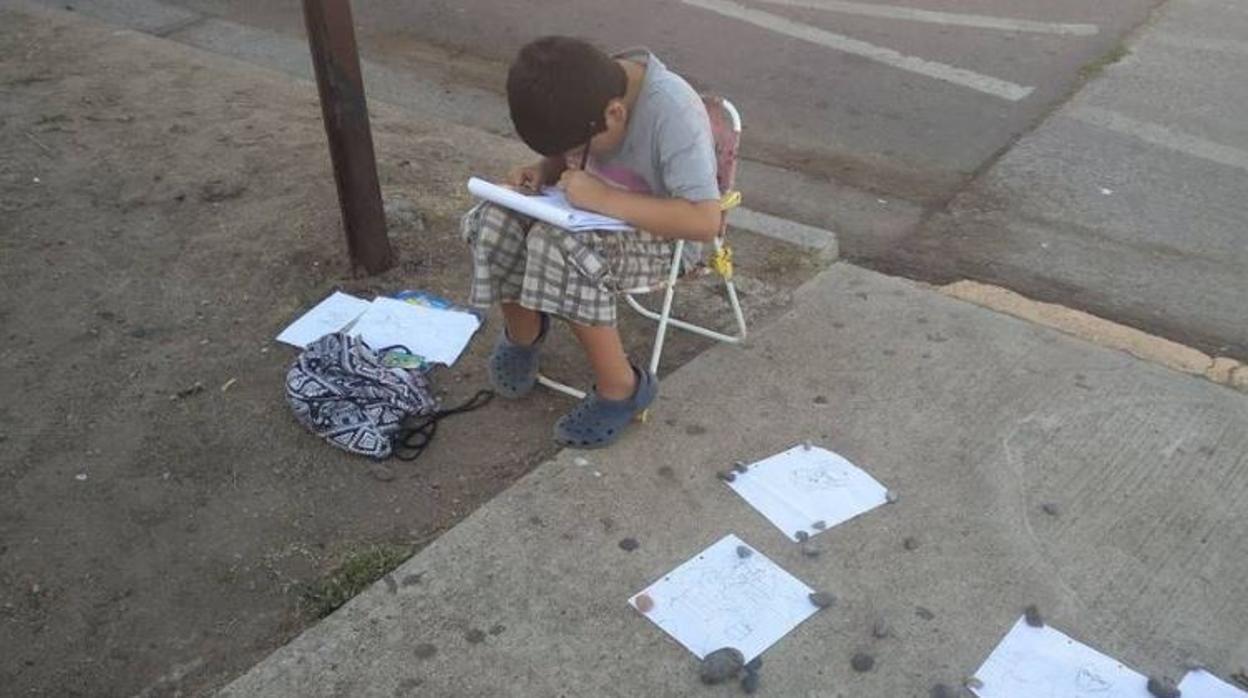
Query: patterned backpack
[340, 390]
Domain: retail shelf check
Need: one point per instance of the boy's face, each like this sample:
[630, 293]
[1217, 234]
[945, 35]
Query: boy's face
[605, 142]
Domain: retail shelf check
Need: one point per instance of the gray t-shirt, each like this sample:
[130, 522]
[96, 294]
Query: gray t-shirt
[668, 150]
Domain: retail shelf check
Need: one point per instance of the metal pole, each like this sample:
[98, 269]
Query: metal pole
[331, 37]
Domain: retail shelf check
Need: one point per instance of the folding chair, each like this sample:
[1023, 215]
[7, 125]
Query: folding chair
[726, 129]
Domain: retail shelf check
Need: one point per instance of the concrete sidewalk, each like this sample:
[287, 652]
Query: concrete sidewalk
[975, 418]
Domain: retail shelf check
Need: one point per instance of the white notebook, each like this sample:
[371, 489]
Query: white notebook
[550, 206]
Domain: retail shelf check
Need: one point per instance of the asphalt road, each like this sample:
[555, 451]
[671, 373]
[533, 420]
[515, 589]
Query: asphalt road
[866, 99]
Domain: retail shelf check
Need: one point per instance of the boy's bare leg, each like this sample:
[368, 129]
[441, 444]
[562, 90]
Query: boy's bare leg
[613, 373]
[523, 325]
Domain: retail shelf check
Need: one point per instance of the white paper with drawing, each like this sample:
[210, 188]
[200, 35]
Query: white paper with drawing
[801, 486]
[329, 316]
[720, 599]
[437, 335]
[550, 206]
[1044, 663]
[1202, 684]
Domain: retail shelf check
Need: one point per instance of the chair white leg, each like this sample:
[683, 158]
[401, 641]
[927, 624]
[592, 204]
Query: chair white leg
[733, 300]
[560, 387]
[666, 315]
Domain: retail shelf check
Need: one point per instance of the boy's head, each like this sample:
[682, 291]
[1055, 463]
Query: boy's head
[562, 92]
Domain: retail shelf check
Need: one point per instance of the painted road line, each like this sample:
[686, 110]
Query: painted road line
[1163, 136]
[939, 71]
[955, 19]
[785, 230]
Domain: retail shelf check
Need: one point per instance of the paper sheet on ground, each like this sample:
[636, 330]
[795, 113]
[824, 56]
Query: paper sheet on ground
[329, 316]
[437, 335]
[1044, 663]
[1202, 684]
[550, 206]
[719, 599]
[798, 487]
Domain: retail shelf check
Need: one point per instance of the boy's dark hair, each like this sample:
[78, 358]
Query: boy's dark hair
[558, 88]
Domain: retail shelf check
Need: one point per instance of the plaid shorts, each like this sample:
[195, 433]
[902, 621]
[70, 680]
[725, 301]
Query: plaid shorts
[576, 276]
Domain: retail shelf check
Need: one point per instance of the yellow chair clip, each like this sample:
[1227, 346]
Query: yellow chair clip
[721, 262]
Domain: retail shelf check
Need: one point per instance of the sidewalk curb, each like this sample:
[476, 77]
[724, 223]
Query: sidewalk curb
[1077, 323]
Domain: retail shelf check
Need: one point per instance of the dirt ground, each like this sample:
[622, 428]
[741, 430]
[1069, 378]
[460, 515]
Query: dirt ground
[163, 214]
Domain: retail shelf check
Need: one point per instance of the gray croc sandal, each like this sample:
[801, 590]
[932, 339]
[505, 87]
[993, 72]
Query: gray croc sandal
[513, 367]
[596, 422]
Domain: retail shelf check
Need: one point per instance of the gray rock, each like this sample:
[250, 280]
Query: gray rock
[381, 472]
[475, 636]
[1163, 688]
[628, 545]
[973, 682]
[741, 467]
[498, 629]
[822, 599]
[910, 543]
[744, 551]
[891, 497]
[821, 400]
[880, 629]
[862, 662]
[820, 525]
[924, 613]
[749, 683]
[726, 475]
[755, 664]
[1050, 508]
[1032, 615]
[402, 214]
[801, 536]
[722, 665]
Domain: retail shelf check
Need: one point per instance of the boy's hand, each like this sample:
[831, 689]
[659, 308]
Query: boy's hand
[584, 190]
[526, 178]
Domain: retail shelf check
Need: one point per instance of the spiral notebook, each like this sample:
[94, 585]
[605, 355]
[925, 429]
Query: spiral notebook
[550, 206]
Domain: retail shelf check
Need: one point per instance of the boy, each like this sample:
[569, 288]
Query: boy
[622, 136]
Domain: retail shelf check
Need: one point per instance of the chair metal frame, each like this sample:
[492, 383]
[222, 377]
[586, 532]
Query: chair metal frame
[721, 263]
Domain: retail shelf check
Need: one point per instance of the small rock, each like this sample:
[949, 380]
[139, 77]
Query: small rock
[721, 665]
[81, 477]
[475, 636]
[822, 599]
[807, 445]
[940, 690]
[880, 629]
[1033, 617]
[755, 664]
[741, 467]
[891, 497]
[580, 461]
[862, 662]
[1163, 688]
[726, 475]
[198, 387]
[1050, 508]
[801, 536]
[820, 525]
[425, 650]
[924, 613]
[498, 629]
[749, 683]
[821, 400]
[744, 551]
[628, 545]
[644, 603]
[910, 543]
[973, 682]
[381, 472]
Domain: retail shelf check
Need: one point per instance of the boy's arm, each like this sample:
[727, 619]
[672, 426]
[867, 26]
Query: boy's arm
[697, 221]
